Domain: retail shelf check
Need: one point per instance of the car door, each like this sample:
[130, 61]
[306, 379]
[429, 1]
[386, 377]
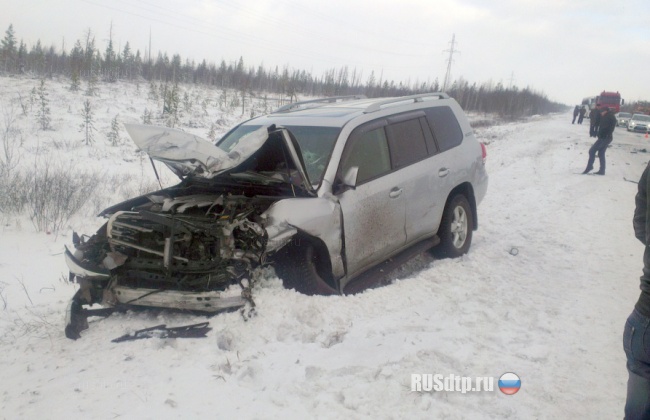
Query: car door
[413, 155]
[451, 165]
[374, 210]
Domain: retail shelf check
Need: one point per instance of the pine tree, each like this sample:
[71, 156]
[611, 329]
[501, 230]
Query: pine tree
[43, 112]
[146, 117]
[212, 134]
[32, 98]
[114, 135]
[110, 64]
[91, 90]
[22, 55]
[187, 102]
[89, 53]
[153, 93]
[223, 100]
[77, 59]
[37, 57]
[127, 59]
[88, 124]
[204, 106]
[75, 82]
[8, 50]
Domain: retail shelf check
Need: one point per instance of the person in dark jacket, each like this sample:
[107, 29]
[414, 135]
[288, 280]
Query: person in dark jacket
[583, 111]
[594, 119]
[576, 111]
[637, 326]
[606, 128]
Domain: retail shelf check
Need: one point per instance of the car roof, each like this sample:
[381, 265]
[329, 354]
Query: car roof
[329, 116]
[337, 111]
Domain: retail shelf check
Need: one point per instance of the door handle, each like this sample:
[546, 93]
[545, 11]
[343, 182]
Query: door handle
[395, 192]
[443, 172]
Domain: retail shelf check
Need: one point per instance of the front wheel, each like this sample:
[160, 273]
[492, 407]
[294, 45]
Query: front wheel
[456, 228]
[303, 268]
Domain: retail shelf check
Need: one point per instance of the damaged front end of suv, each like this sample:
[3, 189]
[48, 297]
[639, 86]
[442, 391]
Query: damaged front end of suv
[183, 247]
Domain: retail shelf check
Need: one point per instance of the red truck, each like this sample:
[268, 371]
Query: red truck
[611, 100]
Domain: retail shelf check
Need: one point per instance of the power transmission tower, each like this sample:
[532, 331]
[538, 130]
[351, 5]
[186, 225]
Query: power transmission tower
[512, 80]
[451, 52]
[150, 45]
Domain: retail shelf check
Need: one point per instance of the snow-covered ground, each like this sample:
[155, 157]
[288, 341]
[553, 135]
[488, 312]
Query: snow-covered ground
[544, 292]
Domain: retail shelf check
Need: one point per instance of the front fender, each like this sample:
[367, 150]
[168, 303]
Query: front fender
[319, 217]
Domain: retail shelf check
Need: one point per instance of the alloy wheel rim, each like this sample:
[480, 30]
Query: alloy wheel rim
[459, 227]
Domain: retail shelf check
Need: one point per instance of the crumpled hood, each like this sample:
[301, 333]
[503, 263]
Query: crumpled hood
[186, 153]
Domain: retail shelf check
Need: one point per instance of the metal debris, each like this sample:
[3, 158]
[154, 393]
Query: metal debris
[162, 331]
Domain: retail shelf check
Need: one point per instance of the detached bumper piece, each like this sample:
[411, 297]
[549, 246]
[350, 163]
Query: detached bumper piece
[76, 316]
[210, 302]
[162, 331]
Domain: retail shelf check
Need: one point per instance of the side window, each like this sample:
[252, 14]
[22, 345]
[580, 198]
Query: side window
[445, 127]
[369, 151]
[407, 142]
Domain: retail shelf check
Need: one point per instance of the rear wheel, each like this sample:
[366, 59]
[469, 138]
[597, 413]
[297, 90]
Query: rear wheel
[456, 227]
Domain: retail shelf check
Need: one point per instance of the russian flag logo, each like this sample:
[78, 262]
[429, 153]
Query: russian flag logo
[509, 383]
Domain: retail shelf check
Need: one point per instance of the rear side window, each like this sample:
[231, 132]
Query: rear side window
[407, 142]
[445, 127]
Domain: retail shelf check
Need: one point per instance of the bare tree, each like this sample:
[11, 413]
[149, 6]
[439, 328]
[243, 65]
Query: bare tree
[11, 140]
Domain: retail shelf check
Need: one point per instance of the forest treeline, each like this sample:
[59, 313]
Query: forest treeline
[86, 63]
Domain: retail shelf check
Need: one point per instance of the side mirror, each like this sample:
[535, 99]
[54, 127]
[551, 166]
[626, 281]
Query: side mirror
[349, 181]
[350, 177]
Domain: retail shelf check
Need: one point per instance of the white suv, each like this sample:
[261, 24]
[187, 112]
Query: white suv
[323, 190]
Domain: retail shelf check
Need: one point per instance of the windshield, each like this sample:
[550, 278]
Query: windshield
[610, 99]
[641, 117]
[316, 144]
[623, 115]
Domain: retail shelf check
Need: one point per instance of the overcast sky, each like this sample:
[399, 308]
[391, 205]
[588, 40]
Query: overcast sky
[565, 49]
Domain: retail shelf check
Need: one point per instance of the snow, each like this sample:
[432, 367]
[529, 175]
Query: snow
[544, 292]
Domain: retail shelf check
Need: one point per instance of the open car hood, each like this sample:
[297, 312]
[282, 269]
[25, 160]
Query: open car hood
[255, 157]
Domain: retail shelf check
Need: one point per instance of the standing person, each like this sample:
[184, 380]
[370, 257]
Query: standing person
[583, 111]
[637, 405]
[605, 136]
[594, 119]
[576, 111]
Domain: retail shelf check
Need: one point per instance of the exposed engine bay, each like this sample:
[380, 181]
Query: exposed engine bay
[196, 243]
[171, 245]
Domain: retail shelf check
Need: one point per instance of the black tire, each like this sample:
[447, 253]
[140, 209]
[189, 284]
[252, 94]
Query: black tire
[456, 228]
[302, 268]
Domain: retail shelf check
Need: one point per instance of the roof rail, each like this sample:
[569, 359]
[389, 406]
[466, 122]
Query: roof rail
[376, 106]
[333, 99]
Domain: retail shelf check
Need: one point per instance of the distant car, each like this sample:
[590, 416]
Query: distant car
[622, 118]
[639, 123]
